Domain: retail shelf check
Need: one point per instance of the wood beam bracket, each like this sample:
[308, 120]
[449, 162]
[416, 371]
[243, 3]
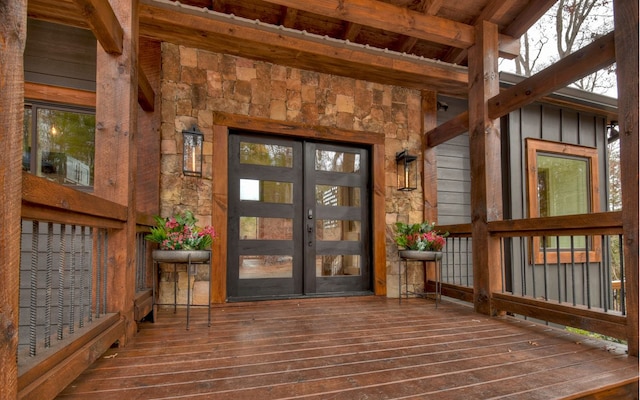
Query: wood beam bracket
[103, 23]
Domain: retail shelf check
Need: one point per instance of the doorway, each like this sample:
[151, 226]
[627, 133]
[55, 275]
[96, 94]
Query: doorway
[299, 218]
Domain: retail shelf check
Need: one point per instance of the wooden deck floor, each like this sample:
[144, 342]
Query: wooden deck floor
[355, 348]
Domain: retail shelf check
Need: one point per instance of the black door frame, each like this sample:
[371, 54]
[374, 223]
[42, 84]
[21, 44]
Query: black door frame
[308, 248]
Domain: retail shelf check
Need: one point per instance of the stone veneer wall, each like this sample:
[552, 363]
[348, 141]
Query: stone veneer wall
[196, 83]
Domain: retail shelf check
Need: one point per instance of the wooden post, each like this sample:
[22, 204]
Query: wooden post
[220, 214]
[430, 169]
[13, 32]
[378, 219]
[626, 38]
[484, 149]
[429, 165]
[115, 164]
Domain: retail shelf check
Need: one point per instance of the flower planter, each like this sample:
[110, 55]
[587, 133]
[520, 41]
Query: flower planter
[420, 255]
[181, 256]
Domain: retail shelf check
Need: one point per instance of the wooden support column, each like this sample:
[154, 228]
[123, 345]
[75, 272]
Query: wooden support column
[378, 221]
[429, 167]
[484, 149]
[626, 38]
[220, 213]
[13, 34]
[115, 164]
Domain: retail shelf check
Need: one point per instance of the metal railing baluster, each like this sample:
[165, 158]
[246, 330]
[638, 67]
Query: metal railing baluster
[48, 286]
[62, 253]
[33, 293]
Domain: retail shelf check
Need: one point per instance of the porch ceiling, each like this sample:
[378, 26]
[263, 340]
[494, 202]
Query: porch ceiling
[420, 44]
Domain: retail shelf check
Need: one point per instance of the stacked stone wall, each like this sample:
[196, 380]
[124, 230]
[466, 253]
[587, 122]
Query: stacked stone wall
[196, 83]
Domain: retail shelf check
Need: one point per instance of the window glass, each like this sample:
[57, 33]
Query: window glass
[337, 230]
[262, 228]
[563, 180]
[266, 154]
[338, 265]
[266, 191]
[563, 189]
[266, 266]
[563, 185]
[337, 161]
[329, 195]
[59, 144]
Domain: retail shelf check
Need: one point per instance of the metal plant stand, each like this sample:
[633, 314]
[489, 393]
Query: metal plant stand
[185, 257]
[426, 258]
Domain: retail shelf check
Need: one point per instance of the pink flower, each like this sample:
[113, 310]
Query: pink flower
[208, 230]
[172, 223]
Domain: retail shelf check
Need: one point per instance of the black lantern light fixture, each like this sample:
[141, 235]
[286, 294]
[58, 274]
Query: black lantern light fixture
[192, 147]
[407, 171]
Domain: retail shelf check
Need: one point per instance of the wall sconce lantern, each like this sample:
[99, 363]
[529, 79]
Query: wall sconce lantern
[192, 146]
[407, 171]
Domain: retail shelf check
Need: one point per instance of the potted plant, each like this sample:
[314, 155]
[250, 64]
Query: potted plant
[180, 239]
[419, 241]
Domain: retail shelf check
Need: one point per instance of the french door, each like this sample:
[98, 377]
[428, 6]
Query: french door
[298, 218]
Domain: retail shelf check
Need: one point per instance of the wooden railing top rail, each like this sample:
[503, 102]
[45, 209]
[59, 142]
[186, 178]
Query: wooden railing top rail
[604, 223]
[145, 220]
[48, 201]
[458, 230]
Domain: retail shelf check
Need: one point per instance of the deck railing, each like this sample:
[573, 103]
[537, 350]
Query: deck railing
[584, 282]
[143, 282]
[65, 275]
[566, 270]
[63, 285]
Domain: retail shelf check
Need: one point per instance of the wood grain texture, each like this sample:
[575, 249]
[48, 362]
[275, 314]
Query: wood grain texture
[626, 34]
[429, 158]
[486, 171]
[13, 26]
[350, 348]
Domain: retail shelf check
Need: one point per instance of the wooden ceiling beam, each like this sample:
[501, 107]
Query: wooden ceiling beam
[430, 7]
[103, 22]
[59, 12]
[352, 31]
[194, 27]
[578, 64]
[219, 5]
[425, 7]
[399, 20]
[448, 130]
[493, 12]
[289, 17]
[146, 94]
[528, 17]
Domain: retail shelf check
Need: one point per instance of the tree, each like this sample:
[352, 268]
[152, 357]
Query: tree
[570, 25]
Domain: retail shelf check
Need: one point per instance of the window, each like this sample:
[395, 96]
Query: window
[59, 144]
[562, 180]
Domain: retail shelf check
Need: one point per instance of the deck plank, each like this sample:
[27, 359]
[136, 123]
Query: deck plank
[350, 348]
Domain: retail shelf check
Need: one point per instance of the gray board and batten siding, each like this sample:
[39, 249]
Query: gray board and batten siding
[60, 55]
[540, 121]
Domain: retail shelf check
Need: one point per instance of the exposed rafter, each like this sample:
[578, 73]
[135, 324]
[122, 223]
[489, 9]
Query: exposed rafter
[400, 20]
[166, 21]
[534, 11]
